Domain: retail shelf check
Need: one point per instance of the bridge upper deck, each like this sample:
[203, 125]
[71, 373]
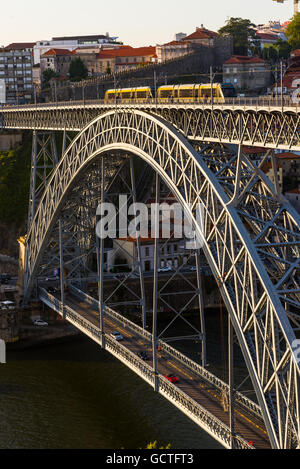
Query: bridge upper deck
[257, 122]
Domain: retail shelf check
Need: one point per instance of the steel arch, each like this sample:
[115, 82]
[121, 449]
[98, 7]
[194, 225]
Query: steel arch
[256, 308]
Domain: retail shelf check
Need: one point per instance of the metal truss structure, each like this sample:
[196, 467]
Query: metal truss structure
[251, 234]
[270, 127]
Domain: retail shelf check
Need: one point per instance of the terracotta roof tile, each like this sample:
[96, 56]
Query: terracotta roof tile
[20, 45]
[287, 156]
[270, 37]
[127, 52]
[51, 52]
[201, 33]
[241, 59]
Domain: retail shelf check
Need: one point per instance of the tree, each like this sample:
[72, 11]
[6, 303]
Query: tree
[77, 70]
[293, 32]
[284, 49]
[47, 75]
[242, 31]
[270, 53]
[255, 47]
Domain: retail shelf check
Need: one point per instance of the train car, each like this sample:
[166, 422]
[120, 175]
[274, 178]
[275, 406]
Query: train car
[123, 95]
[191, 93]
[207, 91]
[229, 90]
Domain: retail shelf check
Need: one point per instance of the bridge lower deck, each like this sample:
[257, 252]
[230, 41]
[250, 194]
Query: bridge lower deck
[247, 426]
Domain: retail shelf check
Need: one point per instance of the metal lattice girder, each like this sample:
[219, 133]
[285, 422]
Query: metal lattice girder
[43, 160]
[270, 127]
[235, 229]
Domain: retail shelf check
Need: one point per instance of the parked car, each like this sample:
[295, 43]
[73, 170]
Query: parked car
[167, 268]
[40, 322]
[116, 335]
[172, 378]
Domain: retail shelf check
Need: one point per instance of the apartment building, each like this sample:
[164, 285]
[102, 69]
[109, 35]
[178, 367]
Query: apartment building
[16, 63]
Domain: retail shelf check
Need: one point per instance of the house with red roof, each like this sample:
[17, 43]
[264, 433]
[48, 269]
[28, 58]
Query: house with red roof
[202, 36]
[58, 60]
[250, 74]
[266, 39]
[125, 58]
[293, 197]
[173, 50]
[291, 79]
[290, 163]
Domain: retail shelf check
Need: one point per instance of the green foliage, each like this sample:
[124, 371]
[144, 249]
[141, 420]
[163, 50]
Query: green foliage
[293, 32]
[47, 75]
[241, 30]
[280, 50]
[283, 48]
[108, 70]
[14, 183]
[77, 70]
[269, 53]
[15, 180]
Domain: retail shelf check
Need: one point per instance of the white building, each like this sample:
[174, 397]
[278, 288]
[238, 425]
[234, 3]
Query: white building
[72, 43]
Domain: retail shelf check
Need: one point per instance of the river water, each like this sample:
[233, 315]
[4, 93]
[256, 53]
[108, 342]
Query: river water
[74, 395]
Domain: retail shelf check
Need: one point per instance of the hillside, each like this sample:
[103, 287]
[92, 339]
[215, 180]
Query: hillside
[14, 193]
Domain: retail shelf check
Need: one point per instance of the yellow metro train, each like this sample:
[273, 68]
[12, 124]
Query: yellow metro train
[174, 93]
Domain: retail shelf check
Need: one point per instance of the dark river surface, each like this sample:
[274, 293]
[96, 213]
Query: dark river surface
[74, 395]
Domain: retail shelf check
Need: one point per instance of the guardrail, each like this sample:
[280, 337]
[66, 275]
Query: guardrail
[172, 352]
[252, 102]
[193, 409]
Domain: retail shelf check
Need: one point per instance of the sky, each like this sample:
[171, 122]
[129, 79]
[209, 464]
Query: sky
[135, 22]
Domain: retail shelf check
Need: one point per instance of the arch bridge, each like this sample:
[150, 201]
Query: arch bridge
[251, 242]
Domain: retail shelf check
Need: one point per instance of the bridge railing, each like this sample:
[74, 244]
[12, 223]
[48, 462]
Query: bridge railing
[172, 352]
[167, 389]
[253, 102]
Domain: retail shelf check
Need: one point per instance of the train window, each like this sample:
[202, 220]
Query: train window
[165, 93]
[126, 94]
[175, 93]
[111, 95]
[186, 93]
[141, 94]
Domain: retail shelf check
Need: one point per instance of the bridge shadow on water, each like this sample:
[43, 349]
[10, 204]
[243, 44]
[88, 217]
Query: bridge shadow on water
[74, 395]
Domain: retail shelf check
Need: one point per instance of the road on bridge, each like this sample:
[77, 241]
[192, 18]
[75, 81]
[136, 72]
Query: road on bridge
[249, 427]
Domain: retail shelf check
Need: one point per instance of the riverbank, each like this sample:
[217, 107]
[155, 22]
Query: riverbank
[37, 337]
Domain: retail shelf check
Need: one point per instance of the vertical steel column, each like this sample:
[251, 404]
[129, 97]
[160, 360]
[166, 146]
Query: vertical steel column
[155, 282]
[138, 244]
[32, 190]
[61, 246]
[43, 160]
[201, 310]
[61, 267]
[231, 382]
[100, 262]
